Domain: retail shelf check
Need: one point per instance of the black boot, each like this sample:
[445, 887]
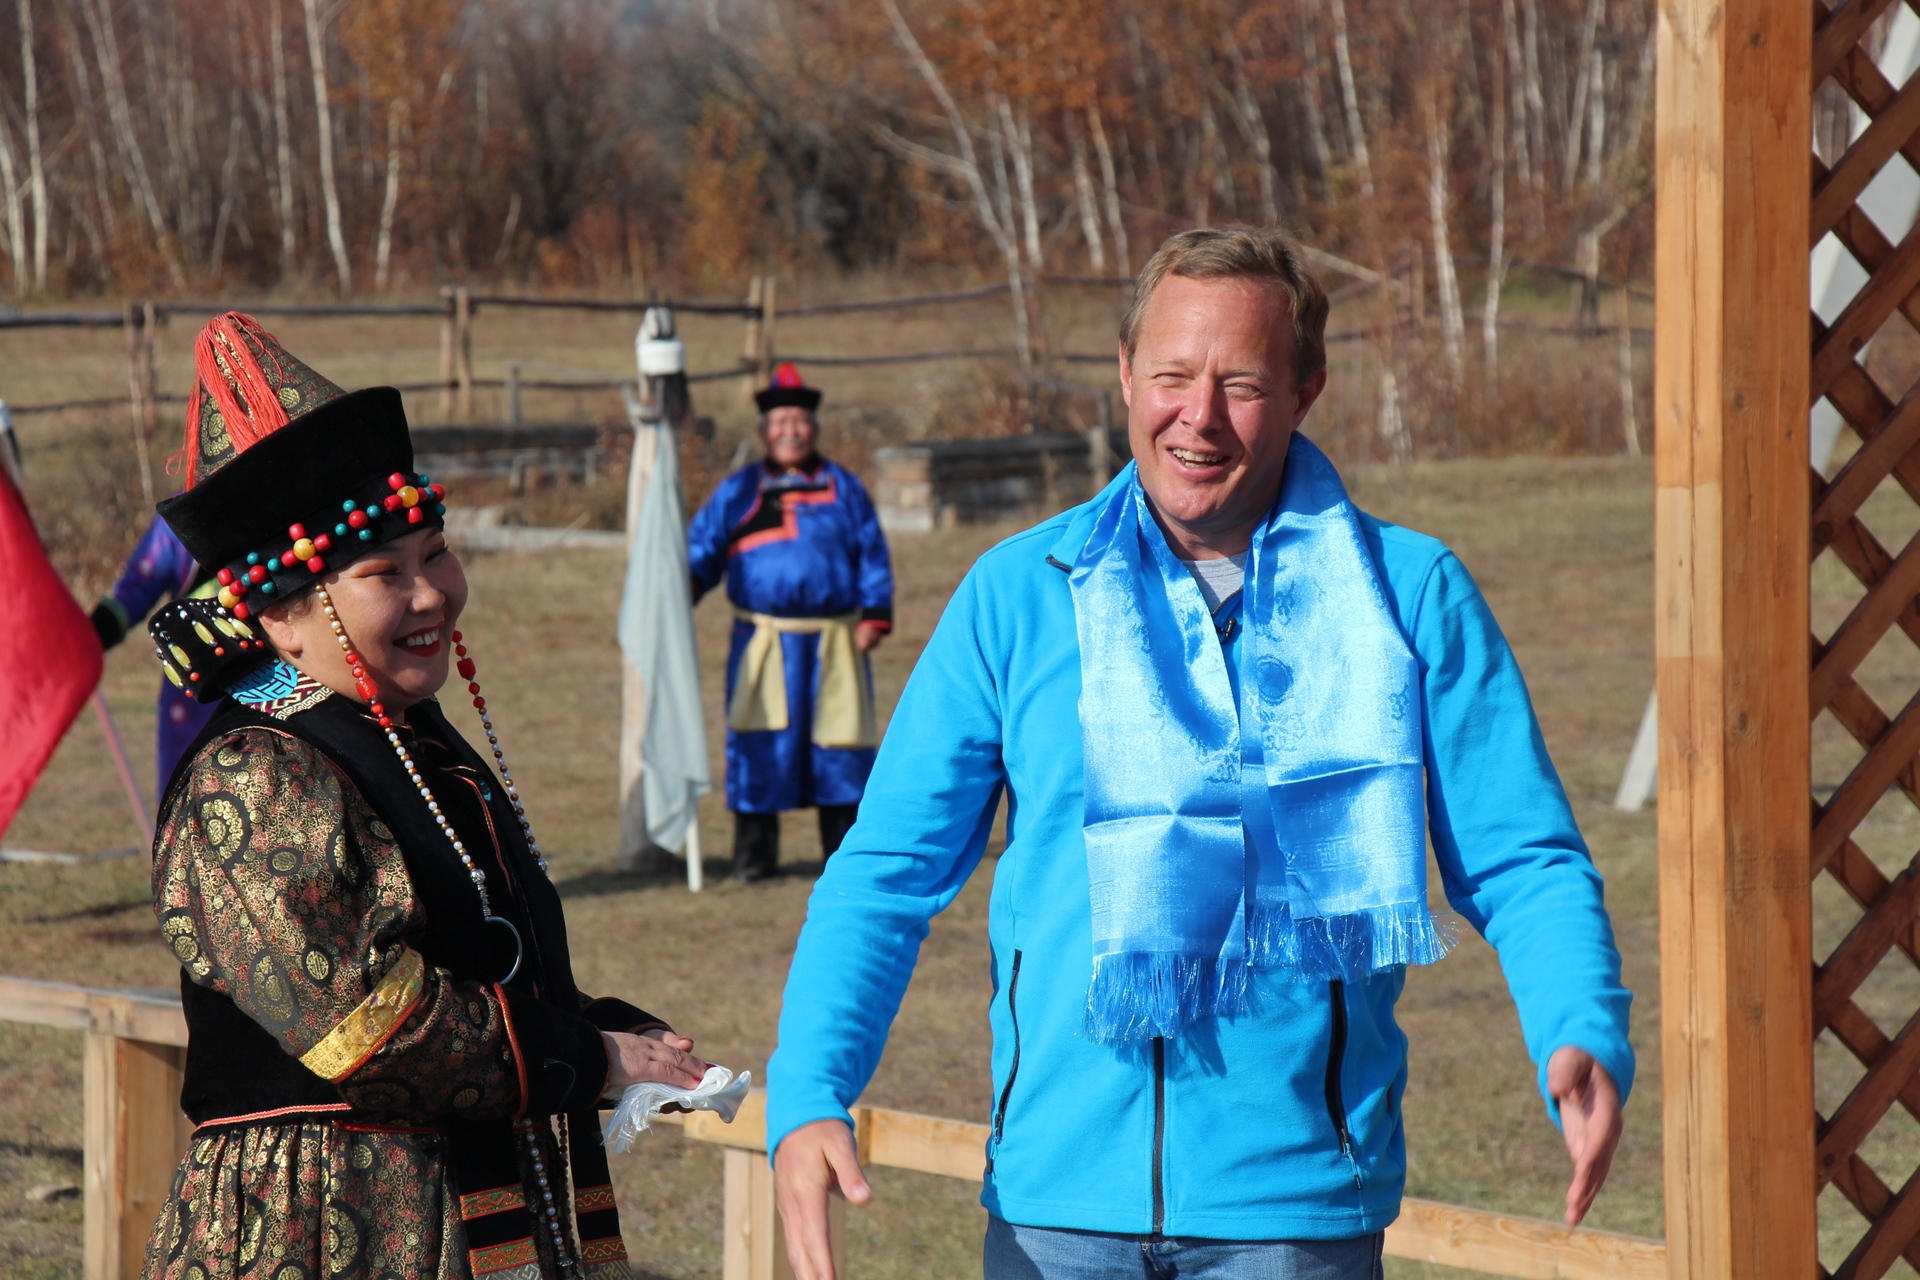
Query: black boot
[835, 821]
[756, 846]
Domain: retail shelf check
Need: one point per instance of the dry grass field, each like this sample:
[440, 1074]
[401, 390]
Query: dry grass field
[1562, 548]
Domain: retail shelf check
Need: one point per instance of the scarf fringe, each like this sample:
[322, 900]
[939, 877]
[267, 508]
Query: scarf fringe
[1138, 996]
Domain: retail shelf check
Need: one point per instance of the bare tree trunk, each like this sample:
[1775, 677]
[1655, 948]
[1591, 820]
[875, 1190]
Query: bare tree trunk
[228, 170]
[1497, 204]
[282, 137]
[329, 189]
[1020, 147]
[36, 168]
[1596, 119]
[1084, 199]
[102, 193]
[1310, 95]
[1116, 225]
[383, 251]
[1629, 429]
[1392, 426]
[1350, 99]
[1535, 119]
[1514, 106]
[1253, 127]
[120, 113]
[1453, 328]
[1583, 85]
[15, 198]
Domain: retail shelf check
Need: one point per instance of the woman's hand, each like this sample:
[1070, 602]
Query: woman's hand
[656, 1054]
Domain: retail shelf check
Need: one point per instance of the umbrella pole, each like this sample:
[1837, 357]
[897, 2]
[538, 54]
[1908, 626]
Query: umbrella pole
[142, 817]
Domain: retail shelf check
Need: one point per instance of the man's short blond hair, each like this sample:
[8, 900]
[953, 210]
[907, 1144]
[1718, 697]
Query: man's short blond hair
[1264, 254]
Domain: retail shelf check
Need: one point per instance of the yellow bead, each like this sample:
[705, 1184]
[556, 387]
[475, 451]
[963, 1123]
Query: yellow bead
[409, 496]
[180, 655]
[303, 549]
[171, 673]
[226, 627]
[200, 629]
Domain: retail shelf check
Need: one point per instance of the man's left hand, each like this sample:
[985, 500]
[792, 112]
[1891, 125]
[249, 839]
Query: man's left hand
[867, 635]
[1589, 1120]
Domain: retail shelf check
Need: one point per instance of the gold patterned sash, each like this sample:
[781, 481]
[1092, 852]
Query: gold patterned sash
[843, 709]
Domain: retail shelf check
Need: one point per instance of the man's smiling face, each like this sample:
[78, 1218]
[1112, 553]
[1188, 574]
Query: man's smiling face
[1212, 406]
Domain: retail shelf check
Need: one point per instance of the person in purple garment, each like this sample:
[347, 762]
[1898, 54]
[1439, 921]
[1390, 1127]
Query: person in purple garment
[159, 569]
[798, 543]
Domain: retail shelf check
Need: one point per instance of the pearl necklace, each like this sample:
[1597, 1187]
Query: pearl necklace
[371, 692]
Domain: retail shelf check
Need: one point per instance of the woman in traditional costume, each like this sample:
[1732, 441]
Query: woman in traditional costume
[391, 1071]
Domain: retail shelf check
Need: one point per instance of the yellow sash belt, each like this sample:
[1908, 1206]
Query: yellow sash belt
[843, 709]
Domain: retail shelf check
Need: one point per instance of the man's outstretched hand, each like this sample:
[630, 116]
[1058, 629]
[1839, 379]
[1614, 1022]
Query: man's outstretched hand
[1589, 1120]
[812, 1161]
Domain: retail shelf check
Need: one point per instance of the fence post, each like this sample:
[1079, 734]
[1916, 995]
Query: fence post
[754, 1246]
[513, 393]
[769, 295]
[463, 326]
[136, 393]
[446, 353]
[133, 1136]
[750, 349]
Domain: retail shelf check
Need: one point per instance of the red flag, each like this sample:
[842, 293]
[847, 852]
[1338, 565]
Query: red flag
[50, 656]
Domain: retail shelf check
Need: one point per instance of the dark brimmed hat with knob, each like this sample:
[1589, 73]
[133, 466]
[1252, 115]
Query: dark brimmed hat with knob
[786, 389]
[288, 478]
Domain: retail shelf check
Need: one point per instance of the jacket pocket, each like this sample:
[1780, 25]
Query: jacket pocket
[1336, 1067]
[1013, 1071]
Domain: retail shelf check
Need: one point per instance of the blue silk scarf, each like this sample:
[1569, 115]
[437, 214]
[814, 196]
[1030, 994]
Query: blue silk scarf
[1300, 844]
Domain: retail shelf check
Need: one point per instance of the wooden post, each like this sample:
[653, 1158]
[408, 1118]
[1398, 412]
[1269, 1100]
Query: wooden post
[754, 1246]
[446, 353]
[750, 348]
[1629, 427]
[463, 333]
[513, 392]
[136, 390]
[134, 1134]
[769, 312]
[1731, 527]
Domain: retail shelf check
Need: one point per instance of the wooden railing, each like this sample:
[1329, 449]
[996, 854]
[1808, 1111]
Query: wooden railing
[134, 1135]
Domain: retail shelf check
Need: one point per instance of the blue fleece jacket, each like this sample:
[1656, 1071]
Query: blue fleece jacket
[1281, 1123]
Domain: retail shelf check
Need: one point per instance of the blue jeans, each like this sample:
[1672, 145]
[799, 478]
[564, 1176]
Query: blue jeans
[1049, 1253]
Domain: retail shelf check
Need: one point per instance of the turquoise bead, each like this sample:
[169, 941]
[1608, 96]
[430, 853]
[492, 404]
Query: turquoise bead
[439, 508]
[348, 505]
[340, 531]
[253, 557]
[266, 587]
[366, 535]
[425, 480]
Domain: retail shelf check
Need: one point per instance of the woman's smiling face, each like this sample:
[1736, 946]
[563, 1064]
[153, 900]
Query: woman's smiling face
[398, 605]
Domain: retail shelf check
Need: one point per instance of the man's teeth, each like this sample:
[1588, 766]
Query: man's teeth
[1200, 459]
[422, 640]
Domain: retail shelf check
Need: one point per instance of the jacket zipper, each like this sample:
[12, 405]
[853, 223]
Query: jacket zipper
[1159, 1133]
[1336, 1061]
[1006, 1090]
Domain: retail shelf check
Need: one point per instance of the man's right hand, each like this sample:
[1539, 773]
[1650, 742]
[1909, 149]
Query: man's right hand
[813, 1161]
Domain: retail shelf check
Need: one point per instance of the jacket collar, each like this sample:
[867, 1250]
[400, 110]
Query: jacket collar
[1066, 549]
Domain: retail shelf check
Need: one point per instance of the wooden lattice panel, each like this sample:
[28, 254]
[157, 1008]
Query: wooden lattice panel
[1883, 762]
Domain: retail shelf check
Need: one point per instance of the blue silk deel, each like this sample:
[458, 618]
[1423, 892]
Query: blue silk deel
[1299, 844]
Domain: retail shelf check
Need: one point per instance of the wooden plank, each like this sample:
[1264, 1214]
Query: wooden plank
[929, 1144]
[1866, 944]
[1868, 1101]
[1869, 619]
[151, 1133]
[1892, 128]
[1523, 1247]
[1839, 30]
[1732, 531]
[1888, 288]
[1865, 785]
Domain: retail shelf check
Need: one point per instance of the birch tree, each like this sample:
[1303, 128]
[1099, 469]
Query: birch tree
[323, 110]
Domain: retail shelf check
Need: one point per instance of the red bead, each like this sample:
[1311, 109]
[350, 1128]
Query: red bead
[258, 573]
[376, 708]
[472, 688]
[368, 689]
[415, 515]
[286, 560]
[479, 704]
[193, 675]
[323, 543]
[353, 660]
[226, 577]
[385, 723]
[358, 671]
[239, 588]
[316, 564]
[437, 491]
[219, 652]
[391, 502]
[396, 482]
[241, 611]
[456, 640]
[296, 531]
[358, 519]
[466, 668]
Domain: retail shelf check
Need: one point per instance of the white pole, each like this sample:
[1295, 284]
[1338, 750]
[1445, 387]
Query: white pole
[696, 871]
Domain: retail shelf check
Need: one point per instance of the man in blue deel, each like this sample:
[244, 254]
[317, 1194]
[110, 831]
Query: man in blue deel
[159, 569]
[1229, 710]
[800, 546]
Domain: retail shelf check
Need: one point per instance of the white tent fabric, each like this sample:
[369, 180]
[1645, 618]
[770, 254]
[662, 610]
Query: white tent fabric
[656, 634]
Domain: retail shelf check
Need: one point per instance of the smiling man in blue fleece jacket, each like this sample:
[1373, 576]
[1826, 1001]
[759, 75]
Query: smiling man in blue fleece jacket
[1228, 710]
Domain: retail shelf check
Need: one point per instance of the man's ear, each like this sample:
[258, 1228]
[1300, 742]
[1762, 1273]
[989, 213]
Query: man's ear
[275, 621]
[1126, 377]
[1306, 395]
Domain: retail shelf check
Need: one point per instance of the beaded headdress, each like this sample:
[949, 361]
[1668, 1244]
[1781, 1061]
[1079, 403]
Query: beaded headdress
[786, 387]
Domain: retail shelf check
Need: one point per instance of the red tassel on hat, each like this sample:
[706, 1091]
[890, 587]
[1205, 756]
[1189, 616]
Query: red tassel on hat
[225, 366]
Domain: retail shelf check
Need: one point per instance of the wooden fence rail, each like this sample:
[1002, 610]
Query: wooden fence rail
[134, 1135]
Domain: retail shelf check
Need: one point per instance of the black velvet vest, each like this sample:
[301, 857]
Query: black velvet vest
[235, 1068]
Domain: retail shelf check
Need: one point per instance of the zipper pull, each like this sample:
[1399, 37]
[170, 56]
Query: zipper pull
[1346, 1149]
